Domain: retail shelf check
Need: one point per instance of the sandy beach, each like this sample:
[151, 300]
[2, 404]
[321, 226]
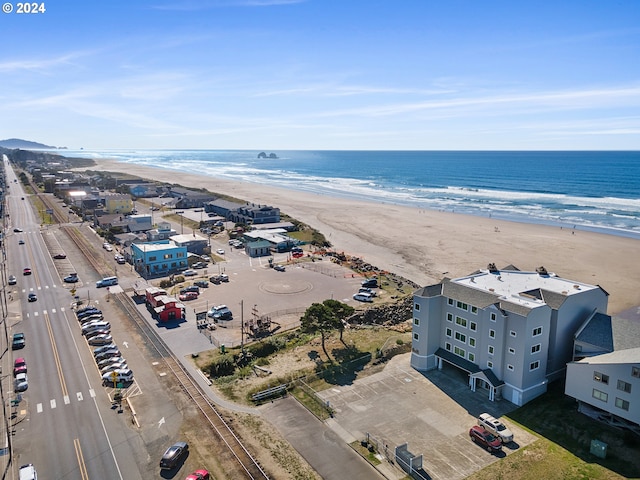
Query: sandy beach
[426, 245]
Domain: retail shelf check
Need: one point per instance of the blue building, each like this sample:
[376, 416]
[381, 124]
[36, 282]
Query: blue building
[158, 259]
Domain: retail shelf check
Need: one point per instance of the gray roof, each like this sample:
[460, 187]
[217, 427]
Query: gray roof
[459, 362]
[626, 333]
[629, 355]
[597, 332]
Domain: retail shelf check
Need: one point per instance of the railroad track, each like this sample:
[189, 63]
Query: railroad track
[248, 464]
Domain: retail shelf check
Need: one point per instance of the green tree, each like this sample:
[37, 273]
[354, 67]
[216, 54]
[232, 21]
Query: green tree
[339, 311]
[319, 318]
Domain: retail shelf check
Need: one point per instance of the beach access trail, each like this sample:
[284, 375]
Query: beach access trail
[426, 245]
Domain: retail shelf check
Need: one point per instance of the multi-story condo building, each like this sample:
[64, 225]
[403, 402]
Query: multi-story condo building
[511, 331]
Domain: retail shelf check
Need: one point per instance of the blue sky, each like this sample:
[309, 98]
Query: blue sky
[323, 74]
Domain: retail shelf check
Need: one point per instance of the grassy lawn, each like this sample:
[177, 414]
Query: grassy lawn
[563, 449]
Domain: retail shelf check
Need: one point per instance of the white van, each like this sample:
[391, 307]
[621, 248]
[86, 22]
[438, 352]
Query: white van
[363, 297]
[107, 282]
[28, 472]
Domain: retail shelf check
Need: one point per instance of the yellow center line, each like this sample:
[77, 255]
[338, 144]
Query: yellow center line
[56, 357]
[84, 474]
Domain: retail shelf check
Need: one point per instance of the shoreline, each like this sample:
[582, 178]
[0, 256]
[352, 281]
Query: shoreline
[427, 245]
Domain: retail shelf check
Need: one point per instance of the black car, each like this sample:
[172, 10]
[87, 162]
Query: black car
[370, 283]
[193, 288]
[59, 256]
[173, 455]
[32, 297]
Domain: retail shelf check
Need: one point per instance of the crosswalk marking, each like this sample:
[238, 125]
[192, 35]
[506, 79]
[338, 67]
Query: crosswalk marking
[53, 403]
[67, 401]
[79, 396]
[39, 408]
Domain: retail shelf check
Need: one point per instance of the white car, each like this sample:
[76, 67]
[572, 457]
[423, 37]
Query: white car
[189, 273]
[122, 375]
[220, 251]
[110, 367]
[496, 427]
[107, 247]
[109, 361]
[21, 382]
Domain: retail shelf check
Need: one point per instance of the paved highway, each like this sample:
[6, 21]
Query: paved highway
[64, 422]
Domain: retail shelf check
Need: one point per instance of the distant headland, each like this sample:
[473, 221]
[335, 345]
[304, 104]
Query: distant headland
[13, 143]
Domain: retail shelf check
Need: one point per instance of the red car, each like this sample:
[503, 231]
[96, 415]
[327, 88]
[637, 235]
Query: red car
[26, 271]
[188, 296]
[198, 475]
[19, 366]
[482, 437]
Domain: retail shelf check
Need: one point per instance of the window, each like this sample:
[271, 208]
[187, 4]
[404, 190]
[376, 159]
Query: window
[461, 321]
[635, 372]
[600, 395]
[473, 326]
[450, 301]
[461, 337]
[416, 307]
[512, 350]
[489, 364]
[471, 357]
[493, 317]
[534, 365]
[492, 333]
[447, 347]
[462, 306]
[449, 317]
[537, 331]
[167, 256]
[601, 377]
[416, 322]
[416, 337]
[474, 310]
[459, 351]
[490, 349]
[448, 332]
[510, 367]
[153, 259]
[623, 404]
[624, 386]
[512, 333]
[472, 342]
[535, 348]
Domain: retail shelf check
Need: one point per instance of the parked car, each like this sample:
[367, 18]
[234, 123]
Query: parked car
[173, 455]
[192, 288]
[107, 247]
[26, 271]
[119, 259]
[367, 290]
[96, 325]
[363, 297]
[201, 284]
[183, 297]
[59, 256]
[12, 280]
[485, 438]
[199, 265]
[109, 361]
[120, 376]
[21, 383]
[110, 352]
[88, 311]
[189, 273]
[91, 318]
[370, 283]
[220, 251]
[110, 367]
[19, 366]
[105, 348]
[18, 341]
[101, 339]
[496, 427]
[279, 268]
[221, 312]
[73, 278]
[32, 297]
[80, 311]
[198, 475]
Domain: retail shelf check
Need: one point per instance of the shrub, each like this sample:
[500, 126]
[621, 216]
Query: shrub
[222, 366]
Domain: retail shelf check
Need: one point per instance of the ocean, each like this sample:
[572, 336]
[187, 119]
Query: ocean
[592, 190]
